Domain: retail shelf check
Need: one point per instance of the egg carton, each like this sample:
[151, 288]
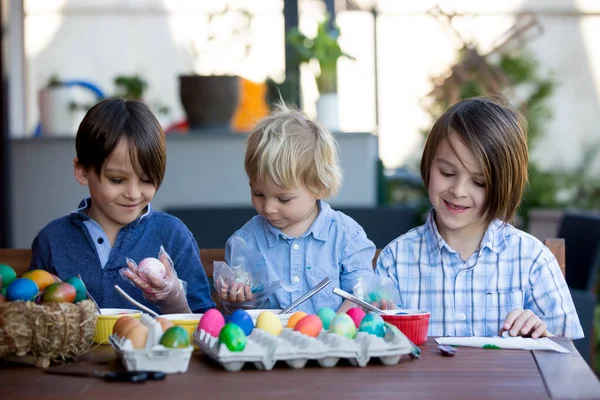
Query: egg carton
[154, 356]
[296, 349]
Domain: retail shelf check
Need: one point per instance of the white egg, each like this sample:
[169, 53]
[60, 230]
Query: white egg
[152, 266]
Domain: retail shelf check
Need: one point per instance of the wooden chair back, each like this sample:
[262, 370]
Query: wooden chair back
[19, 259]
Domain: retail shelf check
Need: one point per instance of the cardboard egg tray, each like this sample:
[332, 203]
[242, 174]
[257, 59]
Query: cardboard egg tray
[154, 357]
[295, 349]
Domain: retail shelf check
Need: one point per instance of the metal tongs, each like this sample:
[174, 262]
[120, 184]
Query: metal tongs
[320, 286]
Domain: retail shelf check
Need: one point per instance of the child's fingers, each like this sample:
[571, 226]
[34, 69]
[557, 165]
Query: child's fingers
[529, 325]
[234, 291]
[136, 280]
[509, 321]
[167, 262]
[541, 330]
[248, 293]
[224, 292]
[518, 325]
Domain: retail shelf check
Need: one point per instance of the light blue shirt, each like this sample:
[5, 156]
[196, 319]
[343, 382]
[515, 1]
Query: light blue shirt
[334, 246]
[511, 269]
[100, 238]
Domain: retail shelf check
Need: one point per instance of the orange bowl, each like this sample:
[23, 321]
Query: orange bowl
[413, 323]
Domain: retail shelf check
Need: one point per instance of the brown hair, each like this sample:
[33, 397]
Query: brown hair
[115, 119]
[497, 135]
[292, 150]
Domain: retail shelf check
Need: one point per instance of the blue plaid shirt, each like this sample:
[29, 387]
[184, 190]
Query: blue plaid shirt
[334, 246]
[511, 269]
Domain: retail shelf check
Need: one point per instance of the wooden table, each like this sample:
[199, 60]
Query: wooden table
[471, 373]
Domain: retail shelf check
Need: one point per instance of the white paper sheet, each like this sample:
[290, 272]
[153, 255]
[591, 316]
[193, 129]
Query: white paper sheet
[519, 343]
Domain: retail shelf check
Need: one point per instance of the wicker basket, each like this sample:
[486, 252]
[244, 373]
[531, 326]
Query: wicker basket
[52, 331]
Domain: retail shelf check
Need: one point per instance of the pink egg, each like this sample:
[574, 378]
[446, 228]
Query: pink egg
[357, 314]
[212, 322]
[152, 266]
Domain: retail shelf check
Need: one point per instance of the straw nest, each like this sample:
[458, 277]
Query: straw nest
[58, 331]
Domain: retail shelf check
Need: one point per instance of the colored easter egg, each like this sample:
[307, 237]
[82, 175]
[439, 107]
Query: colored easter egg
[295, 317]
[357, 314]
[41, 278]
[326, 315]
[242, 319]
[7, 274]
[343, 325]
[310, 325]
[268, 322]
[175, 337]
[79, 288]
[21, 289]
[232, 336]
[372, 324]
[212, 322]
[152, 267]
[59, 293]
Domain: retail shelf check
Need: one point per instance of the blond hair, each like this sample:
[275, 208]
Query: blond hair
[497, 135]
[291, 150]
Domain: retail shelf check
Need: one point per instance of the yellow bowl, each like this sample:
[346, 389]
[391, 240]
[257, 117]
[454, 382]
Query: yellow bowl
[187, 321]
[106, 321]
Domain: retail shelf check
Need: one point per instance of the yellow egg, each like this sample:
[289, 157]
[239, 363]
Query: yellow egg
[268, 322]
[297, 316]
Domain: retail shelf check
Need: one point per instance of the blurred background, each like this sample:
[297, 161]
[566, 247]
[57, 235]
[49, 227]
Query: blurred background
[375, 72]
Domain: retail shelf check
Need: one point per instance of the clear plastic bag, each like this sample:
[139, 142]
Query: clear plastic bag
[244, 283]
[377, 290]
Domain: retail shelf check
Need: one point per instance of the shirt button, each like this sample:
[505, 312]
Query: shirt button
[296, 246]
[463, 273]
[295, 279]
[462, 317]
[100, 240]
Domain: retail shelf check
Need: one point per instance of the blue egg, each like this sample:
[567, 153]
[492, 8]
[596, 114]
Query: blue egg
[242, 319]
[372, 324]
[21, 289]
[326, 315]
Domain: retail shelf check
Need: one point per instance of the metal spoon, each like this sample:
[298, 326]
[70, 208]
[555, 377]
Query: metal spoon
[356, 300]
[134, 302]
[89, 294]
[306, 295]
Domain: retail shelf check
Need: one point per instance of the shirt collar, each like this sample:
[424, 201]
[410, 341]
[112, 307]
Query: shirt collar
[86, 203]
[319, 227]
[494, 238]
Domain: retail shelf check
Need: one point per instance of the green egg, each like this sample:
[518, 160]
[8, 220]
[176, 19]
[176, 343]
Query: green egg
[7, 275]
[326, 315]
[372, 324]
[175, 337]
[233, 337]
[343, 325]
[79, 288]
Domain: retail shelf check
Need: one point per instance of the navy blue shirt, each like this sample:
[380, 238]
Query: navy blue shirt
[65, 248]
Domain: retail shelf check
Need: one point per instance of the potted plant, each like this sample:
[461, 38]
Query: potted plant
[210, 93]
[325, 49]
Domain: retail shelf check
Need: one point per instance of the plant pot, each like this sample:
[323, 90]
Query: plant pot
[328, 111]
[56, 116]
[209, 101]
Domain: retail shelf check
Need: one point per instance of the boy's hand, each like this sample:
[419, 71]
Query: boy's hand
[167, 293]
[524, 323]
[384, 304]
[236, 292]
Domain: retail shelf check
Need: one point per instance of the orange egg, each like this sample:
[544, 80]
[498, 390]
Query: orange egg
[127, 326]
[310, 325]
[41, 277]
[297, 316]
[164, 323]
[138, 335]
[120, 321]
